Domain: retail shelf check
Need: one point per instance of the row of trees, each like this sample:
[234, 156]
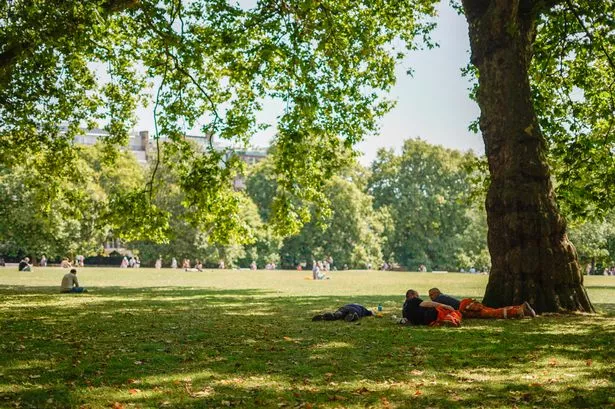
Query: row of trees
[422, 206]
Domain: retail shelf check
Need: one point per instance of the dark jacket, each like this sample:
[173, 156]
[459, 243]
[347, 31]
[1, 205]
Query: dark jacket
[448, 300]
[358, 308]
[418, 315]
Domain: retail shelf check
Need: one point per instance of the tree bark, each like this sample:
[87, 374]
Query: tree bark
[532, 258]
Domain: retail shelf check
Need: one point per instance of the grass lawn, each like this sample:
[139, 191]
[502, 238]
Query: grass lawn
[217, 339]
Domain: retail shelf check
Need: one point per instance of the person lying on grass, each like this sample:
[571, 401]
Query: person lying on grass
[419, 312]
[70, 284]
[348, 312]
[470, 308]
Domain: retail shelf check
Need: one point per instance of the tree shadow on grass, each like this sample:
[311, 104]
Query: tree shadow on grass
[190, 347]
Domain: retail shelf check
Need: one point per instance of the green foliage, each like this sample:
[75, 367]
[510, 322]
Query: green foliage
[214, 63]
[425, 191]
[350, 232]
[62, 216]
[199, 226]
[572, 73]
[350, 235]
[595, 240]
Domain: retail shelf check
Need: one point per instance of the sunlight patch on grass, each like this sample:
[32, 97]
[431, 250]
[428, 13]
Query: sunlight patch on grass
[225, 340]
[331, 346]
[250, 313]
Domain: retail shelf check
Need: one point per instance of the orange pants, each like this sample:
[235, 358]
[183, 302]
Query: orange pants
[470, 308]
[447, 317]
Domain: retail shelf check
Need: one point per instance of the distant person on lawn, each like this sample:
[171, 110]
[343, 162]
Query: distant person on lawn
[70, 284]
[419, 312]
[24, 264]
[348, 312]
[471, 308]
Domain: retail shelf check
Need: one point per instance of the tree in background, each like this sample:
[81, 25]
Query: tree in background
[265, 248]
[349, 233]
[192, 234]
[63, 216]
[426, 191]
[595, 241]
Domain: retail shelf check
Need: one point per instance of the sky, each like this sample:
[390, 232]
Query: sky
[433, 104]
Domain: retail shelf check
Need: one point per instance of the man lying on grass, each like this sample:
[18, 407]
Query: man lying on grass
[348, 312]
[419, 312]
[471, 308]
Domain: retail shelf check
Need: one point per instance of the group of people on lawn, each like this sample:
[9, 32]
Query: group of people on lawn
[440, 310]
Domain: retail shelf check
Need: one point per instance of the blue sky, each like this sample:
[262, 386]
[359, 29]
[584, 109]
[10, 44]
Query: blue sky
[433, 104]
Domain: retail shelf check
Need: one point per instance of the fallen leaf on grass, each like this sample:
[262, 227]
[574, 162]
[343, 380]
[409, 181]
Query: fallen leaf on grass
[117, 405]
[385, 403]
[134, 391]
[416, 372]
[203, 393]
[589, 362]
[418, 393]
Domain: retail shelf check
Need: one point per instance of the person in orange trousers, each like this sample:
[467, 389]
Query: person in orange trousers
[418, 312]
[471, 308]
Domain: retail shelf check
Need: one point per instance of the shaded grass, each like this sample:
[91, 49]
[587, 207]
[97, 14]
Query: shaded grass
[245, 339]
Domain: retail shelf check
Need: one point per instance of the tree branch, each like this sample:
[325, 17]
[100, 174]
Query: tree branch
[13, 51]
[572, 9]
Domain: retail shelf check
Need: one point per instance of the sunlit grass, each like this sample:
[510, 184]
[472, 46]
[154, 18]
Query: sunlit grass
[162, 338]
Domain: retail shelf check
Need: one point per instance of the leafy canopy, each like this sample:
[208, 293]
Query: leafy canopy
[213, 65]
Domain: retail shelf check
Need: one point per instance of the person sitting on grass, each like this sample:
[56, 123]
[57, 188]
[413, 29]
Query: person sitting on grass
[24, 264]
[419, 312]
[471, 308]
[348, 312]
[70, 284]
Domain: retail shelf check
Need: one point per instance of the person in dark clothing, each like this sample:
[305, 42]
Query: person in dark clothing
[437, 296]
[419, 312]
[348, 312]
[24, 265]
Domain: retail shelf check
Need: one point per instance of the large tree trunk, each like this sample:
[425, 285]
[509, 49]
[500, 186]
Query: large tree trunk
[532, 258]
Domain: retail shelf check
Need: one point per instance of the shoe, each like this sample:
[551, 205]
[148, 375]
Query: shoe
[353, 316]
[318, 317]
[528, 311]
